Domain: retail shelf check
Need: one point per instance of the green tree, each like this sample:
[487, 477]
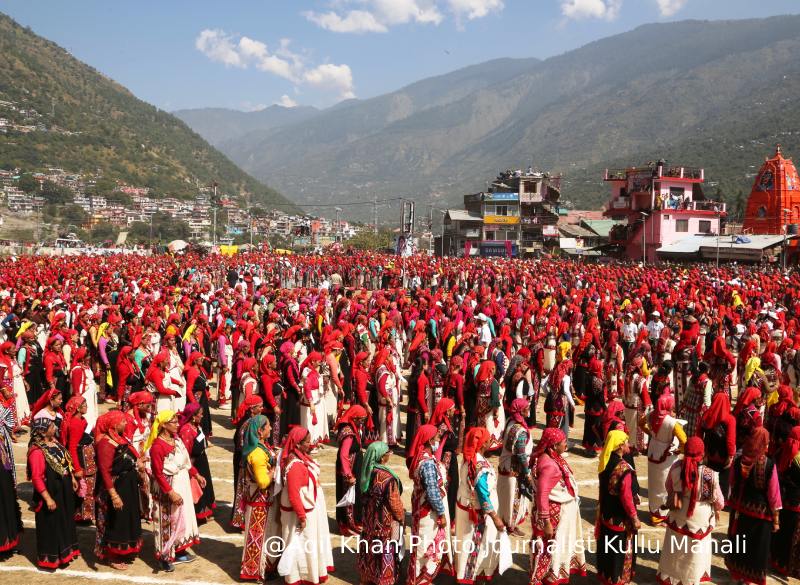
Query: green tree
[28, 184]
[74, 214]
[164, 229]
[103, 231]
[55, 193]
[367, 240]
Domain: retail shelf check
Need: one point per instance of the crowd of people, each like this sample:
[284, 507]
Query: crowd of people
[685, 375]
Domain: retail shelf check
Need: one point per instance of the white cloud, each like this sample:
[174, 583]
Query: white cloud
[378, 16]
[355, 21]
[670, 7]
[218, 46]
[286, 102]
[473, 9]
[245, 52]
[329, 76]
[578, 9]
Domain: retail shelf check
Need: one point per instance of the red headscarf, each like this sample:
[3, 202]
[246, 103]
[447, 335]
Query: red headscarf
[693, 455]
[424, 435]
[719, 411]
[486, 371]
[749, 396]
[105, 426]
[551, 436]
[313, 357]
[789, 450]
[754, 450]
[44, 400]
[785, 400]
[439, 414]
[249, 402]
[475, 439]
[518, 406]
[612, 413]
[70, 412]
[295, 436]
[349, 418]
[664, 406]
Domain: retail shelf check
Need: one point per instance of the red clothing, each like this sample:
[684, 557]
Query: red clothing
[268, 380]
[311, 383]
[361, 382]
[52, 362]
[296, 480]
[456, 389]
[38, 468]
[104, 452]
[77, 426]
[158, 452]
[423, 384]
[77, 380]
[344, 450]
[156, 377]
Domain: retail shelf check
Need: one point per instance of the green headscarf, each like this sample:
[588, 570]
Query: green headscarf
[372, 458]
[251, 441]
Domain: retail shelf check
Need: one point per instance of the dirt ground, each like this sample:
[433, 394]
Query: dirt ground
[219, 553]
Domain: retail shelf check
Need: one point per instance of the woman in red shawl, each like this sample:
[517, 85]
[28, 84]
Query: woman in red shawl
[718, 431]
[272, 388]
[755, 502]
[786, 543]
[555, 515]
[667, 437]
[477, 519]
[443, 418]
[197, 388]
[490, 401]
[595, 406]
[159, 383]
[120, 467]
[429, 509]
[130, 377]
[349, 429]
[780, 417]
[55, 366]
[191, 433]
[514, 484]
[614, 360]
[80, 445]
[695, 501]
[747, 413]
[304, 514]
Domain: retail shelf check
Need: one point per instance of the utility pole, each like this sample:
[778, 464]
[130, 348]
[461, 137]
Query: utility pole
[338, 232]
[151, 231]
[214, 210]
[430, 229]
[375, 214]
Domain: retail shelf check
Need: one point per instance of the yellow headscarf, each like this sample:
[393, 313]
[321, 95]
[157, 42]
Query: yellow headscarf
[102, 330]
[189, 330]
[23, 328]
[753, 365]
[162, 417]
[614, 441]
[645, 368]
[563, 351]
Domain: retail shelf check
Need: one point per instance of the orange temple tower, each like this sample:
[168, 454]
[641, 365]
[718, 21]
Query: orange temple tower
[774, 202]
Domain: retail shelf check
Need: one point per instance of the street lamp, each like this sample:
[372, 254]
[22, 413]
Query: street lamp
[786, 213]
[645, 215]
[338, 225]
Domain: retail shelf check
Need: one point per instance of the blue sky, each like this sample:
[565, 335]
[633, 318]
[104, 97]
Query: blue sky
[250, 54]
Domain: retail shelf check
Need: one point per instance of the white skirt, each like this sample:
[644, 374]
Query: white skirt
[312, 566]
[318, 432]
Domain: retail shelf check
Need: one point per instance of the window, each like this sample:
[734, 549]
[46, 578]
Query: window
[666, 218]
[491, 235]
[681, 225]
[705, 226]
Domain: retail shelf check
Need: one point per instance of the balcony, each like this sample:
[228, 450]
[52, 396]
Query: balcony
[704, 205]
[682, 172]
[616, 175]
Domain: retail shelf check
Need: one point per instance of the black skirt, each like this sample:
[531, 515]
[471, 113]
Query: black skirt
[205, 506]
[786, 544]
[343, 514]
[10, 514]
[119, 532]
[616, 556]
[750, 562]
[56, 535]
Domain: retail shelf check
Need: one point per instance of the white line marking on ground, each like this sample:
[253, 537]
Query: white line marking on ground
[115, 576]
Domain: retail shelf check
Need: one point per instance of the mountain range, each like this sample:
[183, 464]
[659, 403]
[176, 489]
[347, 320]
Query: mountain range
[76, 118]
[717, 94]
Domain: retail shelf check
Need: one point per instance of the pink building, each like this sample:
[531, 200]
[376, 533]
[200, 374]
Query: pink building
[658, 204]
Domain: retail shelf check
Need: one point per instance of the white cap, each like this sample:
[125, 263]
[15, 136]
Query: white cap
[482, 317]
[656, 314]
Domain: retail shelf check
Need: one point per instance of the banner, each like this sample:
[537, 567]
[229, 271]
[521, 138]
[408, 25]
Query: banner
[501, 219]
